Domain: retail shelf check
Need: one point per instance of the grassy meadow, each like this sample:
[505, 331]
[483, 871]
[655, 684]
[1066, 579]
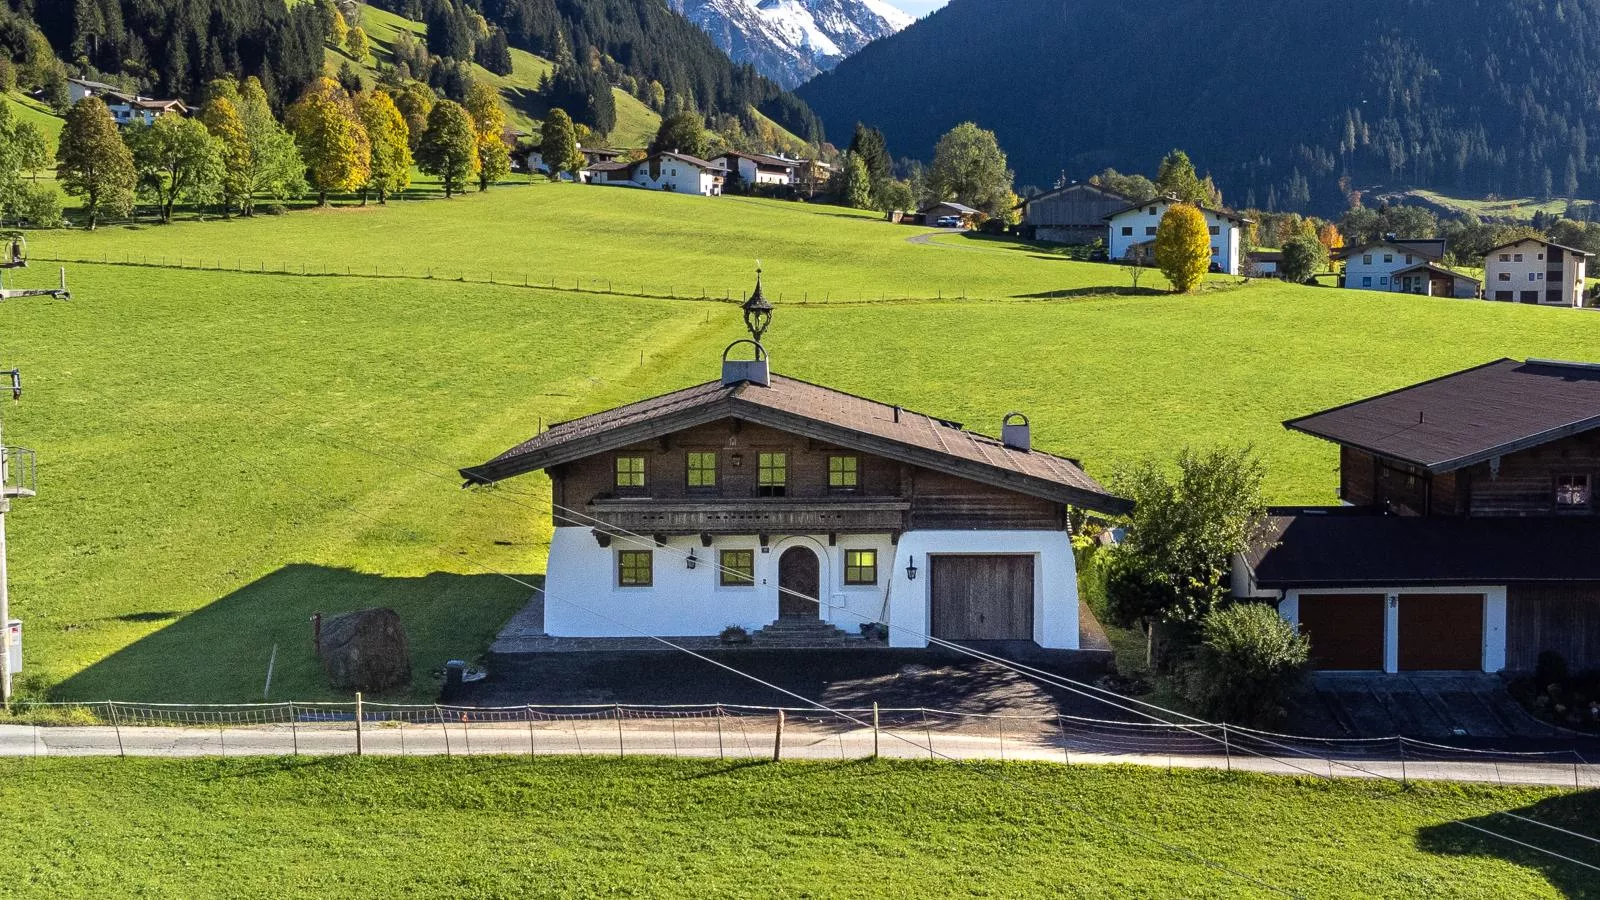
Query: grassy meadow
[487, 827]
[225, 453]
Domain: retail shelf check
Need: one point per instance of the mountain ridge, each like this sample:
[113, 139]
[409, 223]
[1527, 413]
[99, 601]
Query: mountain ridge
[791, 41]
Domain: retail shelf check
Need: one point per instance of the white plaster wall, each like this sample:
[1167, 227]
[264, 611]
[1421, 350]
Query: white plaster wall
[1055, 602]
[1513, 274]
[1381, 272]
[1224, 244]
[1494, 618]
[583, 599]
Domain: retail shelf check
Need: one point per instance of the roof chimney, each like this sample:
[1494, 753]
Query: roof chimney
[1017, 435]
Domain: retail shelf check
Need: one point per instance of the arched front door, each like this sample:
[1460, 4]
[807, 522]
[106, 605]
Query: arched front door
[799, 582]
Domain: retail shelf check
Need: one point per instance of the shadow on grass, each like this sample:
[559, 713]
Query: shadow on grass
[221, 652]
[1575, 811]
[1095, 291]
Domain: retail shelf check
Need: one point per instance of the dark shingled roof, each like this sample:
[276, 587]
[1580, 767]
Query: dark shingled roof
[799, 407]
[1437, 269]
[1459, 420]
[1332, 549]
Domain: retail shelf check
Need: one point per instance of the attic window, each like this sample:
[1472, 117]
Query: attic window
[630, 472]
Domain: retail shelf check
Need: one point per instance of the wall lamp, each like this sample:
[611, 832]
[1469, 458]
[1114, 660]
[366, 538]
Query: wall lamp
[911, 568]
[691, 561]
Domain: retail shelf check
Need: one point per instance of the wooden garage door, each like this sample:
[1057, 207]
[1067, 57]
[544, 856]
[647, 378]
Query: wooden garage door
[1346, 630]
[982, 598]
[1441, 632]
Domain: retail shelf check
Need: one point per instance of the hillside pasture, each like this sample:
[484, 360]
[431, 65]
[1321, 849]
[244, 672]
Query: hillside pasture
[588, 827]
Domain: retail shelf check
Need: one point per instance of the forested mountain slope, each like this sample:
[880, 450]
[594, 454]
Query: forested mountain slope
[1279, 99]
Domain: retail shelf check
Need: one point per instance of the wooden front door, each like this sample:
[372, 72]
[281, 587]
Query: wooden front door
[1345, 630]
[799, 582]
[982, 598]
[1441, 632]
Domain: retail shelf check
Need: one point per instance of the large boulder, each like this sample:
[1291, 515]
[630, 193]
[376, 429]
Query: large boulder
[366, 650]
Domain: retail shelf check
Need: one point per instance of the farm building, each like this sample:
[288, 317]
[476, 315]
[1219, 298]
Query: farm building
[1075, 214]
[1535, 271]
[949, 208]
[675, 172]
[1434, 280]
[1467, 537]
[1133, 227]
[1263, 263]
[764, 501]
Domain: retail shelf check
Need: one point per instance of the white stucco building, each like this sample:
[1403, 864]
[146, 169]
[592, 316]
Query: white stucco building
[1132, 233]
[759, 169]
[675, 172]
[1535, 271]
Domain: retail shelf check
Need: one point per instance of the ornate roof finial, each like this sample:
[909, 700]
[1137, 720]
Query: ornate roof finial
[757, 311]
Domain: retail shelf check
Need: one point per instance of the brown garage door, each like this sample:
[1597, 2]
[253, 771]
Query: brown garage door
[1346, 630]
[1441, 632]
[982, 598]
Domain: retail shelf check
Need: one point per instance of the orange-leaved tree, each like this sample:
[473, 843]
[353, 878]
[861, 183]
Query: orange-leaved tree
[1183, 247]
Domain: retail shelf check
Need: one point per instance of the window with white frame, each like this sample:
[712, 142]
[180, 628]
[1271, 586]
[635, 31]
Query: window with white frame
[1388, 257]
[1573, 491]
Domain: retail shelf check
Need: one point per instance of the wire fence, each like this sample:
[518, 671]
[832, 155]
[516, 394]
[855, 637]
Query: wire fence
[727, 731]
[565, 283]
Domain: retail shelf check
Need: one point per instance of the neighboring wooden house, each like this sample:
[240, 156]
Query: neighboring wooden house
[812, 177]
[1468, 539]
[759, 169]
[757, 497]
[1075, 214]
[593, 155]
[676, 172]
[1135, 225]
[1264, 263]
[1373, 266]
[967, 216]
[1535, 271]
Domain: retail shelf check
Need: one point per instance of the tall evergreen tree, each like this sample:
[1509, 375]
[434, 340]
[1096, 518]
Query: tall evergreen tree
[558, 144]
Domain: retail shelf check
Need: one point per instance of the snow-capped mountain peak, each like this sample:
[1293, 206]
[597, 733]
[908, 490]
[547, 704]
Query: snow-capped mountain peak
[792, 40]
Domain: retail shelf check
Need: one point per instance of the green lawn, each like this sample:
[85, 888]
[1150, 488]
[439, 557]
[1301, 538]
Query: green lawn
[488, 827]
[165, 566]
[1520, 209]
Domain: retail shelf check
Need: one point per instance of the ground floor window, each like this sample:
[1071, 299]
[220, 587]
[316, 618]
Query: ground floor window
[1572, 491]
[861, 567]
[738, 568]
[635, 568]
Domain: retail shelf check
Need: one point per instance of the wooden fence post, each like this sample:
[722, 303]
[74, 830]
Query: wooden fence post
[358, 724]
[112, 705]
[777, 744]
[874, 729]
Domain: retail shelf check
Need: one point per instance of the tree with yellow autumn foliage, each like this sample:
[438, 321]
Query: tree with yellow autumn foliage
[331, 139]
[489, 128]
[1183, 247]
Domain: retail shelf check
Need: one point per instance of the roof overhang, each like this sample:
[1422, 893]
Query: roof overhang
[805, 426]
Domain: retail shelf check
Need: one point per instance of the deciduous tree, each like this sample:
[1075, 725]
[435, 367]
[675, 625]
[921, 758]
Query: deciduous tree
[415, 100]
[93, 163]
[449, 147]
[355, 41]
[221, 118]
[331, 139]
[391, 147]
[1303, 259]
[969, 167]
[558, 144]
[681, 132]
[489, 127]
[276, 167]
[175, 158]
[1183, 247]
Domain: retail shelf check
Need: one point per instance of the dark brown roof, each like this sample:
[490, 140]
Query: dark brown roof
[611, 166]
[1573, 250]
[1077, 186]
[1458, 420]
[799, 407]
[1172, 198]
[693, 161]
[1331, 549]
[1438, 270]
[760, 159]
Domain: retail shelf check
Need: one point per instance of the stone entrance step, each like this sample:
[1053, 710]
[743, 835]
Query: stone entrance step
[804, 633]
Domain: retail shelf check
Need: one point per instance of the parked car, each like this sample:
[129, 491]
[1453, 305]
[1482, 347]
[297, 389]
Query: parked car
[948, 222]
[1099, 255]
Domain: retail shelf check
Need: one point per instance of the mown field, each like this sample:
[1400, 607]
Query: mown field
[225, 453]
[486, 827]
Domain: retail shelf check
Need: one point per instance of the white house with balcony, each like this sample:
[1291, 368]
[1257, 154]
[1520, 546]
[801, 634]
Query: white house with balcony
[1536, 271]
[1133, 232]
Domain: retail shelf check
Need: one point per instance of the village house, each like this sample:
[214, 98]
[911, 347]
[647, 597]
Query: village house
[1263, 263]
[768, 502]
[1468, 535]
[1535, 271]
[759, 169]
[1133, 229]
[126, 108]
[1075, 214]
[679, 173]
[1374, 266]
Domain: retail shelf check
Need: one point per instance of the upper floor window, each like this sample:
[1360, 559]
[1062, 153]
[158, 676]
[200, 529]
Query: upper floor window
[1504, 276]
[635, 568]
[1127, 231]
[1150, 231]
[1541, 256]
[702, 470]
[630, 471]
[1215, 231]
[1388, 257]
[861, 567]
[1408, 259]
[738, 568]
[1505, 257]
[1152, 210]
[1572, 491]
[844, 473]
[1366, 259]
[772, 474]
[1516, 257]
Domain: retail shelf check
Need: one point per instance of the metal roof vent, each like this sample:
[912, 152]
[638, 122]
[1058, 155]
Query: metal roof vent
[1018, 435]
[755, 371]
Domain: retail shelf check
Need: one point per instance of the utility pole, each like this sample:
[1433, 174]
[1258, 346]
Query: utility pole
[18, 471]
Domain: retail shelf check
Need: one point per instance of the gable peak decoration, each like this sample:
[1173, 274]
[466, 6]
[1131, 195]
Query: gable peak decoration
[757, 319]
[757, 311]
